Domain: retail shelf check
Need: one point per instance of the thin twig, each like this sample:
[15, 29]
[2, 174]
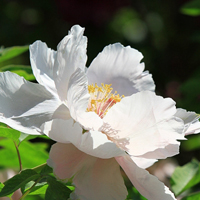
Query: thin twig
[19, 157]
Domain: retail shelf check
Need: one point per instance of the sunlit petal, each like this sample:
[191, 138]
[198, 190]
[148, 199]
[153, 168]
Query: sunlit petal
[42, 61]
[77, 101]
[121, 67]
[146, 119]
[143, 162]
[25, 105]
[71, 54]
[162, 153]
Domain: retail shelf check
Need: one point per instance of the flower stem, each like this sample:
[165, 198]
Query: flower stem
[19, 157]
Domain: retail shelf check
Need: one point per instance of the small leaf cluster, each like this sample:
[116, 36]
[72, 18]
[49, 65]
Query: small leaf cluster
[38, 181]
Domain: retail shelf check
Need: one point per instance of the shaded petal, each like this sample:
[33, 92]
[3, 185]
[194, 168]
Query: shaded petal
[77, 94]
[121, 67]
[25, 105]
[149, 186]
[42, 62]
[143, 122]
[77, 101]
[93, 143]
[191, 121]
[71, 54]
[94, 178]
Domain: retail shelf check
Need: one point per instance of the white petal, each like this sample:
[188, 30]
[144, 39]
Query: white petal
[187, 117]
[77, 94]
[143, 162]
[64, 131]
[77, 101]
[25, 105]
[149, 186]
[97, 144]
[162, 153]
[143, 122]
[193, 128]
[94, 178]
[121, 67]
[191, 121]
[90, 121]
[146, 160]
[42, 62]
[93, 143]
[71, 54]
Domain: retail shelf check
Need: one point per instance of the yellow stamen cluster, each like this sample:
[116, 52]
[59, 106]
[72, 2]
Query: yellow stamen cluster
[101, 98]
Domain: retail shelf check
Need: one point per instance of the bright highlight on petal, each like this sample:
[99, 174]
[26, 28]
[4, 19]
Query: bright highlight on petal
[102, 98]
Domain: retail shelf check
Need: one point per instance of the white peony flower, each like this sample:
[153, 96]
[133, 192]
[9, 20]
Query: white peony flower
[102, 118]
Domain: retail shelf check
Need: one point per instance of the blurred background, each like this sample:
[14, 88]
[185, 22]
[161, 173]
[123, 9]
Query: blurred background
[166, 32]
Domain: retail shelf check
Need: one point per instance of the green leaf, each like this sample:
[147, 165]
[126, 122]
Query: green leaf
[38, 189]
[46, 170]
[32, 154]
[3, 125]
[43, 169]
[56, 190]
[18, 181]
[34, 197]
[11, 52]
[1, 186]
[9, 133]
[185, 177]
[195, 196]
[191, 8]
[72, 188]
[21, 70]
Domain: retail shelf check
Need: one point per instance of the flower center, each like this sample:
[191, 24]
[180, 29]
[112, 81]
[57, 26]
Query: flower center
[102, 98]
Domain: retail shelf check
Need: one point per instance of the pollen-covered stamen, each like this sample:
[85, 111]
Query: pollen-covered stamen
[102, 98]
